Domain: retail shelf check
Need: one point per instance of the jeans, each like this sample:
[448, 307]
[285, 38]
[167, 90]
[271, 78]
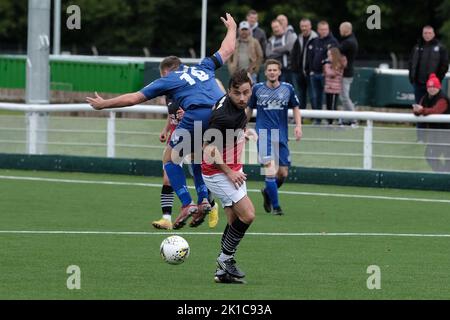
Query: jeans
[286, 76]
[317, 83]
[304, 89]
[345, 98]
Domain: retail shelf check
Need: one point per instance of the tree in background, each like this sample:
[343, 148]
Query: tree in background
[173, 26]
[445, 30]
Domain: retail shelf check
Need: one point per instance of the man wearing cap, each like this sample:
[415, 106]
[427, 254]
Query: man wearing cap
[438, 136]
[248, 54]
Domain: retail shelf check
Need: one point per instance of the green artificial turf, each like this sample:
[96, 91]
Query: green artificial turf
[281, 260]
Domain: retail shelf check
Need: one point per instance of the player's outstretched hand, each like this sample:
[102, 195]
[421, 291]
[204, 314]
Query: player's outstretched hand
[229, 22]
[97, 103]
[237, 178]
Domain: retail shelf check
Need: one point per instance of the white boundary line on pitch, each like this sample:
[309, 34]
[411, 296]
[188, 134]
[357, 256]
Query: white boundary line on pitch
[153, 185]
[123, 233]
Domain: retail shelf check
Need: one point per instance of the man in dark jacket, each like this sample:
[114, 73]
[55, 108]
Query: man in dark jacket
[317, 54]
[428, 56]
[298, 60]
[349, 48]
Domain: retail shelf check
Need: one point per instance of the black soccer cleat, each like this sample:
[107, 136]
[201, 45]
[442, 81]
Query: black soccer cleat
[267, 205]
[229, 266]
[227, 279]
[278, 212]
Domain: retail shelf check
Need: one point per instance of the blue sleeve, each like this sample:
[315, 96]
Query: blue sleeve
[212, 63]
[252, 101]
[161, 86]
[293, 100]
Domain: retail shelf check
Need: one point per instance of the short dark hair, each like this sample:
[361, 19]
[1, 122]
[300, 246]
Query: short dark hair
[272, 61]
[276, 21]
[171, 63]
[305, 20]
[251, 12]
[323, 23]
[239, 78]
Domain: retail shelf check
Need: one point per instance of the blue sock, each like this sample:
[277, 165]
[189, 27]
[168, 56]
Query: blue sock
[272, 191]
[178, 182]
[200, 186]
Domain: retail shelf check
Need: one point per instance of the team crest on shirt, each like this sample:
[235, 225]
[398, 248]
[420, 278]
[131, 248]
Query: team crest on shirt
[436, 49]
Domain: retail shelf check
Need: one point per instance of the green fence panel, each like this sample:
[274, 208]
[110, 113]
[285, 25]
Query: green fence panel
[12, 73]
[77, 76]
[393, 89]
[101, 77]
[362, 90]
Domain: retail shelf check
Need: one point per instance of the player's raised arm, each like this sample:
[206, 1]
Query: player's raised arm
[229, 42]
[125, 100]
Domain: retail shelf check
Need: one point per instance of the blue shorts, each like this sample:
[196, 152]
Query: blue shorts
[193, 119]
[274, 150]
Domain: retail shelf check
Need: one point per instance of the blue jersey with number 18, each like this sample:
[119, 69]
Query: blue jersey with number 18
[191, 87]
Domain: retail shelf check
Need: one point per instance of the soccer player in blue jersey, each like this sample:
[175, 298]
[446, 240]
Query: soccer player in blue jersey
[196, 90]
[272, 100]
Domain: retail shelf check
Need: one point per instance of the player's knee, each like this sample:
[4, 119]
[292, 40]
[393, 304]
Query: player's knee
[250, 215]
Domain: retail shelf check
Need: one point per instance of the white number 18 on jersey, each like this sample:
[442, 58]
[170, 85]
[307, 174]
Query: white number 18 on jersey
[199, 74]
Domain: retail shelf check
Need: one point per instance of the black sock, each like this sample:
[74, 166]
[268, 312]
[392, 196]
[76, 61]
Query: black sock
[233, 237]
[167, 197]
[211, 199]
[225, 232]
[280, 182]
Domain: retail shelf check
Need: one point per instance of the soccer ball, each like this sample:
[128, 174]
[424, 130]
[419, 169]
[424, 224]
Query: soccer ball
[174, 250]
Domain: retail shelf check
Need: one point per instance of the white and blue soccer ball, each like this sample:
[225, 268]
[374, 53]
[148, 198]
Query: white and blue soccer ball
[174, 250]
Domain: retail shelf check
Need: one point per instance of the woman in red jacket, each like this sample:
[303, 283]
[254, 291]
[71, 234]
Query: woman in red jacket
[437, 136]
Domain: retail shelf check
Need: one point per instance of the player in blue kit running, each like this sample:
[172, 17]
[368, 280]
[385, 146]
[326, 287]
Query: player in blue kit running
[196, 90]
[272, 100]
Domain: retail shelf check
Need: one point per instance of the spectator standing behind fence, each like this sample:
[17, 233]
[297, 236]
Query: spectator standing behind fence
[258, 33]
[437, 137]
[333, 71]
[248, 54]
[298, 60]
[279, 47]
[428, 56]
[285, 23]
[317, 54]
[349, 48]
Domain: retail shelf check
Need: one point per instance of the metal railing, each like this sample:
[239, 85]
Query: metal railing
[367, 143]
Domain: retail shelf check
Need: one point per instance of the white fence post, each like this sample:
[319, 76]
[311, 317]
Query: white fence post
[368, 145]
[111, 135]
[32, 125]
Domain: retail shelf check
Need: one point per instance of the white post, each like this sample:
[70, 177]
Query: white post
[368, 145]
[57, 27]
[111, 135]
[203, 40]
[37, 89]
[32, 126]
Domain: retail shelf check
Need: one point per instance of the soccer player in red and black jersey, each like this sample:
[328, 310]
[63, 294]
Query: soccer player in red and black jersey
[223, 171]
